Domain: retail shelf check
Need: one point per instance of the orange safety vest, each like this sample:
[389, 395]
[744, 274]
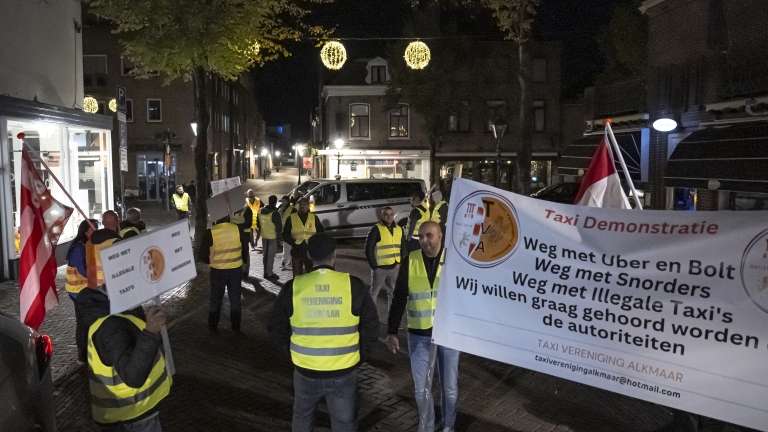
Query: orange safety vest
[93, 262]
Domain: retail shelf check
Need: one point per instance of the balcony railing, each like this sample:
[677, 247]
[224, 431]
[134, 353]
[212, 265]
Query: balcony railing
[626, 97]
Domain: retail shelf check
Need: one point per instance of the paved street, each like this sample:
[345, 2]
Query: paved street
[241, 383]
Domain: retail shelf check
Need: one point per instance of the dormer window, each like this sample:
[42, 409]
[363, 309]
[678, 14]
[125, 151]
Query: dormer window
[378, 74]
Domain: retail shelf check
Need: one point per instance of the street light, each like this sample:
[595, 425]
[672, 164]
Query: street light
[339, 143]
[499, 127]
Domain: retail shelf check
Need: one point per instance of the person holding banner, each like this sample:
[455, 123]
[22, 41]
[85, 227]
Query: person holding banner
[128, 370]
[132, 225]
[416, 291]
[418, 216]
[269, 224]
[310, 322]
[254, 204]
[100, 239]
[382, 248]
[181, 203]
[77, 280]
[223, 249]
[286, 210]
[297, 230]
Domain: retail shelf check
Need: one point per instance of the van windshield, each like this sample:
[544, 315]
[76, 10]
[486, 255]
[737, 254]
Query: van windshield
[306, 187]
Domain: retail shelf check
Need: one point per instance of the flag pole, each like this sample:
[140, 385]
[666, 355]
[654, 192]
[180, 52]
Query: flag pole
[615, 145]
[29, 149]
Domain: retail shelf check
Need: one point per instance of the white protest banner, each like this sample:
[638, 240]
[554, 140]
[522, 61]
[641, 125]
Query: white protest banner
[143, 267]
[226, 203]
[669, 307]
[221, 186]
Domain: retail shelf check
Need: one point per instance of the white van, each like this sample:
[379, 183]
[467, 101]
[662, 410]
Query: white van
[349, 208]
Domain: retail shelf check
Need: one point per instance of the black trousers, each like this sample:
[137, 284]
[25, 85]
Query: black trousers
[228, 279]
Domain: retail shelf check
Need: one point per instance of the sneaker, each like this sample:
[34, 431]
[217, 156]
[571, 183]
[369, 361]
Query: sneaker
[80, 362]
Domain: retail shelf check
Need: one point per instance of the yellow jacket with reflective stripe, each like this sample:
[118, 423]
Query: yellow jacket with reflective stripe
[226, 252]
[111, 399]
[181, 202]
[268, 228]
[417, 224]
[93, 262]
[124, 231]
[300, 232]
[325, 332]
[388, 248]
[421, 296]
[255, 209]
[435, 214]
[75, 281]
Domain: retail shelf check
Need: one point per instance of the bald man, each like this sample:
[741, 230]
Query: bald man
[132, 225]
[416, 289]
[100, 239]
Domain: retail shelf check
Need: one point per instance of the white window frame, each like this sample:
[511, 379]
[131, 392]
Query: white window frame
[349, 124]
[161, 110]
[131, 110]
[389, 123]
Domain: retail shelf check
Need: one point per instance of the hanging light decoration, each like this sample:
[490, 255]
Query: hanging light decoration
[417, 55]
[90, 105]
[113, 105]
[333, 55]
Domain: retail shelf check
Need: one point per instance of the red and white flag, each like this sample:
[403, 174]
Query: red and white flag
[601, 186]
[42, 220]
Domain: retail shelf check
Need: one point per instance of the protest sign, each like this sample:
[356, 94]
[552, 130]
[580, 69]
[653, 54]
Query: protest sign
[143, 267]
[221, 186]
[226, 203]
[669, 307]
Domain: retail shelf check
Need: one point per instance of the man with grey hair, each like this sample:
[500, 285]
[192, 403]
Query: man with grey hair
[132, 225]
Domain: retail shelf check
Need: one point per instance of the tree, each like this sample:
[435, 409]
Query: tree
[194, 39]
[623, 43]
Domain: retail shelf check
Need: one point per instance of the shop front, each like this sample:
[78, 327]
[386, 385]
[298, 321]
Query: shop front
[481, 167]
[366, 164]
[77, 148]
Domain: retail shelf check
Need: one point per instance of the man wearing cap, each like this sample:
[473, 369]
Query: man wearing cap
[416, 291]
[418, 216]
[269, 223]
[224, 250]
[382, 248]
[299, 227]
[328, 323]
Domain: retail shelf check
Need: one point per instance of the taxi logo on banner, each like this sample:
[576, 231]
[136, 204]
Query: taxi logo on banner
[486, 229]
[152, 264]
[754, 270]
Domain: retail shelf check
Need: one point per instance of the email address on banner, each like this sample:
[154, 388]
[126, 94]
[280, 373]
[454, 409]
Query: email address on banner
[610, 377]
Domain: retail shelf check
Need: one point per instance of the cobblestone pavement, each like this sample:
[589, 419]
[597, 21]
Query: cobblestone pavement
[241, 383]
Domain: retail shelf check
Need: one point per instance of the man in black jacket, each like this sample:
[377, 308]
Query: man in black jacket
[419, 214]
[329, 303]
[382, 249]
[310, 224]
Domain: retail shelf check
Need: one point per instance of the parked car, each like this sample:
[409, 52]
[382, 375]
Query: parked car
[561, 193]
[349, 208]
[26, 387]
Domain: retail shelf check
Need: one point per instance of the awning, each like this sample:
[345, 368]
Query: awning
[735, 156]
[578, 155]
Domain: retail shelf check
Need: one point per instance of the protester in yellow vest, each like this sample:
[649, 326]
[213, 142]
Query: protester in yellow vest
[223, 249]
[100, 239]
[297, 230]
[416, 291]
[287, 208]
[382, 248]
[77, 280]
[132, 225]
[253, 203]
[128, 376]
[269, 225]
[419, 214]
[328, 323]
[181, 203]
[440, 212]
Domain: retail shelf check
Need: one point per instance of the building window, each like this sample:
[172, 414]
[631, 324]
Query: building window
[458, 121]
[94, 71]
[398, 122]
[129, 110]
[102, 108]
[359, 121]
[378, 74]
[126, 66]
[495, 109]
[539, 70]
[154, 110]
[539, 116]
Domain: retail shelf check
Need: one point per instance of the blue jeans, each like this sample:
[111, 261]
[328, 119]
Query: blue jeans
[149, 424]
[448, 372]
[340, 395]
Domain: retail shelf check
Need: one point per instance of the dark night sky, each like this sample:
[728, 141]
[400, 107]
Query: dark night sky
[287, 87]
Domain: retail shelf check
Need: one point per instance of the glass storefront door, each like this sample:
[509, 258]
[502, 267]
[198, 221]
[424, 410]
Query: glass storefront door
[152, 176]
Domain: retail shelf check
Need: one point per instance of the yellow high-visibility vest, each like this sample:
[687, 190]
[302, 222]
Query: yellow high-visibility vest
[254, 209]
[435, 213]
[93, 263]
[300, 232]
[111, 399]
[75, 281]
[422, 297]
[325, 332]
[124, 231]
[286, 213]
[226, 252]
[424, 218]
[181, 202]
[388, 248]
[268, 228]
